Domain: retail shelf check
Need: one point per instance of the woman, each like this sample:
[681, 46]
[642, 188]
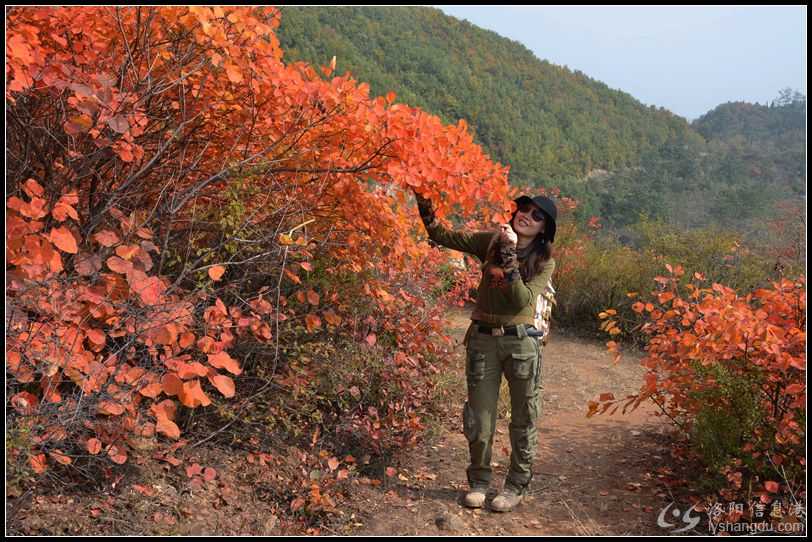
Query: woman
[517, 268]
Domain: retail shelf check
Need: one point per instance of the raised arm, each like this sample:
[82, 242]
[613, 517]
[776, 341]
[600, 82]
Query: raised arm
[475, 243]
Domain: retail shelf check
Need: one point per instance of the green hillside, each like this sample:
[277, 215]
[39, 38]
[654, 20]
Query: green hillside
[544, 120]
[618, 158]
[752, 162]
[768, 141]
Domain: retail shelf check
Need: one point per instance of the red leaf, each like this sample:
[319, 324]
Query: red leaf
[96, 336]
[118, 265]
[222, 360]
[292, 276]
[171, 384]
[191, 370]
[39, 463]
[60, 457]
[106, 238]
[233, 72]
[124, 151]
[150, 290]
[117, 455]
[216, 272]
[64, 240]
[24, 402]
[167, 427]
[119, 123]
[127, 251]
[164, 409]
[193, 470]
[93, 446]
[312, 322]
[186, 340]
[224, 384]
[87, 264]
[151, 390]
[110, 408]
[332, 318]
[192, 395]
[33, 188]
[771, 486]
[795, 389]
[78, 124]
[145, 490]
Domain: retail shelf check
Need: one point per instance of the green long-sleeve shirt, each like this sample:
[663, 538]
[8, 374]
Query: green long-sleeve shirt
[515, 302]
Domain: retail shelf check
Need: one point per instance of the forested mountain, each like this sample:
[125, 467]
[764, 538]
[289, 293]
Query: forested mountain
[546, 121]
[769, 141]
[784, 117]
[557, 127]
[753, 158]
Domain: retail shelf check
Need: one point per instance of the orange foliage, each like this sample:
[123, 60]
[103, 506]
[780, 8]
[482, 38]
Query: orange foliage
[758, 338]
[147, 115]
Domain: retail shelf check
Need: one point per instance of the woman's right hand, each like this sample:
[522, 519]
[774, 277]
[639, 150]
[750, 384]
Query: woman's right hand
[425, 208]
[507, 234]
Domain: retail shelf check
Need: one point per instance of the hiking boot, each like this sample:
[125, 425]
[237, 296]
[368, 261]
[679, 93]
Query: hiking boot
[507, 499]
[475, 498]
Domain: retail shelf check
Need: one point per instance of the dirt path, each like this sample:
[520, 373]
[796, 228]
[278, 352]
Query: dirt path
[593, 476]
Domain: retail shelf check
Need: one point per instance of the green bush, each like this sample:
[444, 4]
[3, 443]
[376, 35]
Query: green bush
[726, 422]
[597, 272]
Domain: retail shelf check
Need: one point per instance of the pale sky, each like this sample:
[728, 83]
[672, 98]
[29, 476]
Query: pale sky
[688, 59]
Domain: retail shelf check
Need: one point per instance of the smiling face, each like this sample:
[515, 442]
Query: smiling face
[529, 220]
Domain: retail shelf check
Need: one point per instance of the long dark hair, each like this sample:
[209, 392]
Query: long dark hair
[540, 254]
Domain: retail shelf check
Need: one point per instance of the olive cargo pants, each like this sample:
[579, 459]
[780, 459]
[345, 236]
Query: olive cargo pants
[488, 357]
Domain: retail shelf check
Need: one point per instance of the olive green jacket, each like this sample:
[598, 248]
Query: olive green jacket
[512, 303]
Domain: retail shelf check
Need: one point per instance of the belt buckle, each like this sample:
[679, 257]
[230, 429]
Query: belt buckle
[498, 331]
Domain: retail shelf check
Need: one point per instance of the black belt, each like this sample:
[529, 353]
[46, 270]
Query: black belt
[505, 330]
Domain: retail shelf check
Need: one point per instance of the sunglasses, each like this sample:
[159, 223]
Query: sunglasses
[537, 215]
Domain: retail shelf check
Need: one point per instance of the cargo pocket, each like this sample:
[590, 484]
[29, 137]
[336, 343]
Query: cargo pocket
[523, 365]
[475, 368]
[470, 427]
